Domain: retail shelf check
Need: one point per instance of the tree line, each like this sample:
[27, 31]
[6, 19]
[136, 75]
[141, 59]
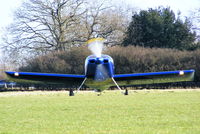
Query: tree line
[46, 26]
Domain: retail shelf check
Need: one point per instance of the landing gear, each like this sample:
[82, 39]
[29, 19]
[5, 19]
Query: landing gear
[71, 92]
[81, 85]
[98, 92]
[126, 92]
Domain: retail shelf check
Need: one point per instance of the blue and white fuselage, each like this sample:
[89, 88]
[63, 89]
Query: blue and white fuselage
[99, 71]
[99, 68]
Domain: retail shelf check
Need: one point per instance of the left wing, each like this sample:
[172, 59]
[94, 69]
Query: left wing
[49, 78]
[154, 77]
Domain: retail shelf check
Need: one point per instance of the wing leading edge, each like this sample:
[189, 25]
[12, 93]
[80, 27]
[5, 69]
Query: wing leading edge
[29, 77]
[121, 79]
[154, 77]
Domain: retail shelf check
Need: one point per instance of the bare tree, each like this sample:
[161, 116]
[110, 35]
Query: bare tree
[195, 17]
[41, 26]
[105, 20]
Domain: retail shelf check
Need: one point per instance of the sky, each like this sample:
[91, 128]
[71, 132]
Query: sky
[185, 6]
[7, 7]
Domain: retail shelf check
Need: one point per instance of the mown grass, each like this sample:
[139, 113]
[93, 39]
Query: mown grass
[111, 113]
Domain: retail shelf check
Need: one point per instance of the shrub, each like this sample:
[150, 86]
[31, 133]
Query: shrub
[129, 59]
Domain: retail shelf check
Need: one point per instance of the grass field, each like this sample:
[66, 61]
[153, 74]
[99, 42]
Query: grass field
[143, 112]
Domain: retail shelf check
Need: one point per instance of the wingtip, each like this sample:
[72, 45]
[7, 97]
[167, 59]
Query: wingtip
[9, 72]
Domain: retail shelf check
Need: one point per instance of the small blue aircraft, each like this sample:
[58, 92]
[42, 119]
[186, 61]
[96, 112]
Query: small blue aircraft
[99, 73]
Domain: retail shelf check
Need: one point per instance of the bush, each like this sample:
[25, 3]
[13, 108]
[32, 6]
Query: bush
[139, 59]
[71, 62]
[129, 59]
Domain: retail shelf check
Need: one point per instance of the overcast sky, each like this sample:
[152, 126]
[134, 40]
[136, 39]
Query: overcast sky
[185, 6]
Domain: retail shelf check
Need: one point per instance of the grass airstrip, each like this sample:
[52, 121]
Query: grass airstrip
[141, 112]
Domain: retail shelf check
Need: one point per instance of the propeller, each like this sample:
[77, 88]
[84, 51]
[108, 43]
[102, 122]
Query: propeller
[95, 45]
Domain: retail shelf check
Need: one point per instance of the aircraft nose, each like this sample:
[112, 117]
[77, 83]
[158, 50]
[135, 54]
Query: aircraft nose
[99, 61]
